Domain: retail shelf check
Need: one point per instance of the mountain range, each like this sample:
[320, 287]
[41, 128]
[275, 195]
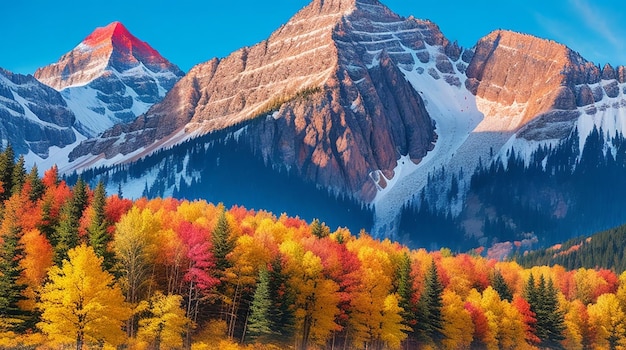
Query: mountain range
[350, 113]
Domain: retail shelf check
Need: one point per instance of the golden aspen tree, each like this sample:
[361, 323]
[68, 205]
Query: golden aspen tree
[609, 321]
[165, 322]
[81, 303]
[134, 247]
[457, 327]
[316, 296]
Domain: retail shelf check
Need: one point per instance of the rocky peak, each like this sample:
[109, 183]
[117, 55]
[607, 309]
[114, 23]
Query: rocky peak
[325, 89]
[513, 71]
[107, 47]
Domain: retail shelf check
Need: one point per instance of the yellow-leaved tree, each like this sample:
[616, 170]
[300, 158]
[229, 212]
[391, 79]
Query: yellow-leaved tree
[165, 322]
[81, 303]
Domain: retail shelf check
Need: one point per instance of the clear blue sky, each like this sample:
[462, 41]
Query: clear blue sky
[35, 33]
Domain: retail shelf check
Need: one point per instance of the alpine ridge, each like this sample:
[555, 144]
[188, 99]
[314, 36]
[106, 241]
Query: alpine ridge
[320, 91]
[110, 77]
[33, 117]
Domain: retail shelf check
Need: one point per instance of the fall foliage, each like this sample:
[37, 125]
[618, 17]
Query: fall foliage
[190, 274]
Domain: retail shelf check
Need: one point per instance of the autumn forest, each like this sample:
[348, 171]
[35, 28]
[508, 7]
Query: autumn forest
[83, 270]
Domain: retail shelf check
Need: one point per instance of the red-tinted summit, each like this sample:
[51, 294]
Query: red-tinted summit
[109, 47]
[116, 35]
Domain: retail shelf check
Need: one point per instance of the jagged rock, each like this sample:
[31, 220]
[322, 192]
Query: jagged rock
[621, 74]
[608, 73]
[584, 96]
[33, 116]
[611, 89]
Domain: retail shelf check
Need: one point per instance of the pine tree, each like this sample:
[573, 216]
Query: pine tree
[543, 301]
[429, 327]
[18, 178]
[7, 163]
[37, 187]
[98, 236]
[11, 252]
[223, 242]
[259, 323]
[66, 233]
[406, 292]
[499, 285]
[281, 314]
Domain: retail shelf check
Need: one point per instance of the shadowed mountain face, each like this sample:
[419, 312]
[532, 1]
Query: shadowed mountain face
[33, 116]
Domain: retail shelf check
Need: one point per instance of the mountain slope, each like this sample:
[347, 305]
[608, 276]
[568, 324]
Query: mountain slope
[110, 77]
[601, 250]
[329, 103]
[33, 117]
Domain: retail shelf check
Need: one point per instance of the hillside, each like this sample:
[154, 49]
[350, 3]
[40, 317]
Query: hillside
[604, 250]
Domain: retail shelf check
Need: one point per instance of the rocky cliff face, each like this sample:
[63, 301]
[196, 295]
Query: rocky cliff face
[535, 86]
[336, 105]
[33, 116]
[110, 77]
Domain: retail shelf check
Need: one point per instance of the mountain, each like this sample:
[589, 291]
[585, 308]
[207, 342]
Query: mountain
[335, 111]
[109, 78]
[512, 140]
[33, 117]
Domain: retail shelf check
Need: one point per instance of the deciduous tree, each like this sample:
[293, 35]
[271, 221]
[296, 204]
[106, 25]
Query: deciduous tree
[81, 303]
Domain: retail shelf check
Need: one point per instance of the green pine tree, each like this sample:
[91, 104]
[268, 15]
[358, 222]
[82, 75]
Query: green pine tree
[259, 324]
[99, 237]
[429, 326]
[37, 187]
[18, 177]
[499, 285]
[11, 253]
[543, 300]
[406, 292]
[281, 314]
[319, 229]
[7, 162]
[223, 243]
[66, 233]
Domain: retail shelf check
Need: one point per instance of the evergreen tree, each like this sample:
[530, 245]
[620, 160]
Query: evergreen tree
[37, 187]
[259, 323]
[99, 238]
[281, 314]
[66, 233]
[223, 242]
[499, 285]
[406, 292]
[11, 253]
[543, 301]
[7, 162]
[47, 225]
[19, 176]
[429, 327]
[319, 229]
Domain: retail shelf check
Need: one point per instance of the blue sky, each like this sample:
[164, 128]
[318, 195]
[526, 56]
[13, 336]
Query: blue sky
[187, 32]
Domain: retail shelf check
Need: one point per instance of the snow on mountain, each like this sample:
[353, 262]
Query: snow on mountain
[34, 118]
[109, 78]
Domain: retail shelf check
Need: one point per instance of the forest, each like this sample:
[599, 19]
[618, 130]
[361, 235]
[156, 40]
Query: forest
[83, 270]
